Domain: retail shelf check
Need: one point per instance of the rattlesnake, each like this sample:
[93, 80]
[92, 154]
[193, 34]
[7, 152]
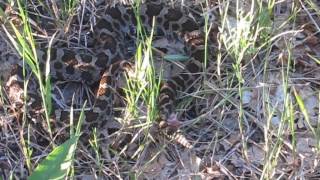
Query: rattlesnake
[114, 28]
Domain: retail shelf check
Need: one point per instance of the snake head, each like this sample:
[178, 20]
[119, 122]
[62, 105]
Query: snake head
[171, 124]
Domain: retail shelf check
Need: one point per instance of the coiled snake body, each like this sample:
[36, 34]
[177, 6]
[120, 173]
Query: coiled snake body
[115, 27]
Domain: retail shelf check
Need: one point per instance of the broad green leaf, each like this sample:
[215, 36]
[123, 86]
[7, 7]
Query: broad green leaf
[176, 57]
[58, 162]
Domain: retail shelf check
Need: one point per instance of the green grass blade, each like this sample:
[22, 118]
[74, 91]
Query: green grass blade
[304, 111]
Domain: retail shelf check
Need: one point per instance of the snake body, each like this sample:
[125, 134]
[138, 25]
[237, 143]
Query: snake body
[113, 31]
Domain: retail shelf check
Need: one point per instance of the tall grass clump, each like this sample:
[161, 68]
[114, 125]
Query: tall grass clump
[23, 41]
[143, 84]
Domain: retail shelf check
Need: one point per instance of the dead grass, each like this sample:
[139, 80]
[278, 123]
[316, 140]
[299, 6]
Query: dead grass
[253, 114]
